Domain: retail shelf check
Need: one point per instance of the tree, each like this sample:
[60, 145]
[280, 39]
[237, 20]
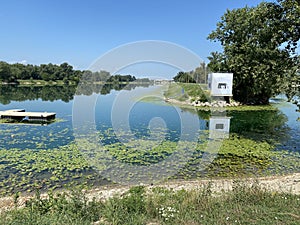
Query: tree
[184, 77]
[5, 73]
[217, 62]
[259, 48]
[200, 73]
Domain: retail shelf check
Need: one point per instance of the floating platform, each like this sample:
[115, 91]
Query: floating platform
[22, 115]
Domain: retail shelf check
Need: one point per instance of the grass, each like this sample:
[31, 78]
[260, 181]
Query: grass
[184, 91]
[199, 92]
[243, 205]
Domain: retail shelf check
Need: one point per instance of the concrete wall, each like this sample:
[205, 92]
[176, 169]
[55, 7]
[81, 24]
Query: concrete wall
[220, 84]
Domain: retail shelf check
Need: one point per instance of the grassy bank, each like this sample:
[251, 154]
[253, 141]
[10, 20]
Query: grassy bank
[183, 92]
[242, 205]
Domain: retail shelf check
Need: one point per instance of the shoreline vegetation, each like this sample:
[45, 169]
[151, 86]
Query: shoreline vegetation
[193, 95]
[266, 200]
[60, 82]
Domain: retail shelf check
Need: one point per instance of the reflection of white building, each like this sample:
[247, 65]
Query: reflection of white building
[219, 127]
[220, 84]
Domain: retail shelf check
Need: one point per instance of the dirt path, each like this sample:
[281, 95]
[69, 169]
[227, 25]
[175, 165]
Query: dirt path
[287, 183]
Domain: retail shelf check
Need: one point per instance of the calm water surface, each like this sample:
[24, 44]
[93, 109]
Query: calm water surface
[283, 125]
[128, 113]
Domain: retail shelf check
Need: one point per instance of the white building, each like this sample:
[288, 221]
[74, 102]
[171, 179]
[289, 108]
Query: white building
[219, 127]
[220, 84]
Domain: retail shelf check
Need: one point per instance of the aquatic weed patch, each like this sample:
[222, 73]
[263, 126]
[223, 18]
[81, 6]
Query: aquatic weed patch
[241, 157]
[31, 169]
[27, 170]
[23, 136]
[142, 152]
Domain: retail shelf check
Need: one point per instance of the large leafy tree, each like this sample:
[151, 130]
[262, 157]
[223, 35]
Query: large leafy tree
[259, 46]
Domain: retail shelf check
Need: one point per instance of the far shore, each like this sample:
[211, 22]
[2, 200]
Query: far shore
[61, 82]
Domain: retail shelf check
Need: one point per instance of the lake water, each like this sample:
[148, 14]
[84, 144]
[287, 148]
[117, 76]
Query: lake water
[128, 114]
[139, 115]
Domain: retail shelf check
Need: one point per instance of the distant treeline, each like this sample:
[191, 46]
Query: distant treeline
[11, 73]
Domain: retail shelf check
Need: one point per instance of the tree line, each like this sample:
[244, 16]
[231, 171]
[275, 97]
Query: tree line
[198, 75]
[11, 73]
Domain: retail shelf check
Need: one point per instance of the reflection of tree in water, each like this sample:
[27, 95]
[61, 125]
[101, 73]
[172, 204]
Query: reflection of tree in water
[46, 93]
[261, 125]
[104, 89]
[258, 125]
[65, 93]
[248, 150]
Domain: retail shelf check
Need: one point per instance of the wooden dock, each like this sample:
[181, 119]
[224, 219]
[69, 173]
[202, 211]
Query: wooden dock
[22, 115]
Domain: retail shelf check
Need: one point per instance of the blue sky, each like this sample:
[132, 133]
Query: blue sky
[78, 32]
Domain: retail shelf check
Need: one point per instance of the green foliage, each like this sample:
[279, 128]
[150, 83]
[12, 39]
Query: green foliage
[141, 152]
[259, 48]
[46, 72]
[27, 170]
[265, 124]
[51, 73]
[129, 209]
[195, 91]
[6, 74]
[182, 92]
[65, 208]
[121, 78]
[75, 203]
[217, 62]
[245, 204]
[184, 77]
[199, 75]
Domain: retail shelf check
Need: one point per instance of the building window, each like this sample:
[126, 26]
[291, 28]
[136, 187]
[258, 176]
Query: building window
[222, 85]
[219, 126]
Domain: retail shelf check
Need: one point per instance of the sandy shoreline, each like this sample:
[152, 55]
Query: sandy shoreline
[287, 183]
